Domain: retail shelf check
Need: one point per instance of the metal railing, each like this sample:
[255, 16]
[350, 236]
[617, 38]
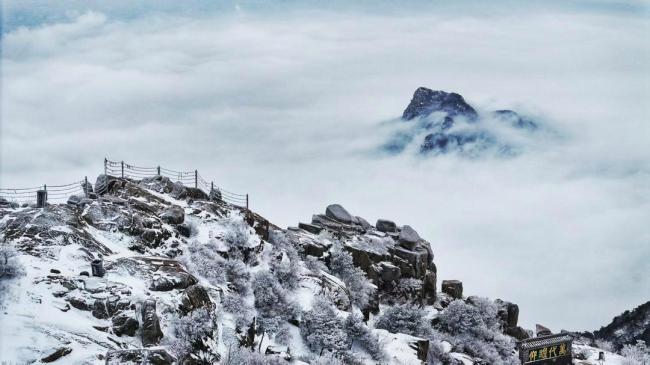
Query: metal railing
[187, 178]
[60, 193]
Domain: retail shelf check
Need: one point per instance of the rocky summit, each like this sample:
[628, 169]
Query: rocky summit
[152, 272]
[443, 122]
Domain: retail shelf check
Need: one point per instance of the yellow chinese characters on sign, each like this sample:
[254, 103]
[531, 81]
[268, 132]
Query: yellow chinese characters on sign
[547, 353]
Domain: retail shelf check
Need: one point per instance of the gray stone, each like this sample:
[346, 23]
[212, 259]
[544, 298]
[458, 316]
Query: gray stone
[542, 330]
[184, 229]
[429, 287]
[195, 297]
[453, 288]
[408, 237]
[124, 324]
[389, 272]
[518, 333]
[363, 223]
[337, 212]
[173, 215]
[151, 332]
[311, 228]
[57, 354]
[384, 225]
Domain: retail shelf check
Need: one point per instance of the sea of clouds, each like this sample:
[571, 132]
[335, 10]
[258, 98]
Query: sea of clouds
[291, 106]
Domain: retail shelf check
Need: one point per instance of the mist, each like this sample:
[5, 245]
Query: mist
[292, 108]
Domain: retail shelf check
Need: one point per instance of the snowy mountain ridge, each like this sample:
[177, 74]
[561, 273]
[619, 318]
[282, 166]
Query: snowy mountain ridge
[151, 271]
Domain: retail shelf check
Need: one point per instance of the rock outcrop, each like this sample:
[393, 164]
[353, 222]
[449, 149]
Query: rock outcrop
[151, 332]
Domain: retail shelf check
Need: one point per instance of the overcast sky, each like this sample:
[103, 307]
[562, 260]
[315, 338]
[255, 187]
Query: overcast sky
[290, 103]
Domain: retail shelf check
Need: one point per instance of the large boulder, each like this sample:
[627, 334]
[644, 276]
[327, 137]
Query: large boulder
[408, 237]
[338, 213]
[429, 287]
[453, 288]
[384, 225]
[173, 215]
[151, 332]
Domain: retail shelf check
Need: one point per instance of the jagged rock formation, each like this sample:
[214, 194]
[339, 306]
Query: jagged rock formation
[447, 123]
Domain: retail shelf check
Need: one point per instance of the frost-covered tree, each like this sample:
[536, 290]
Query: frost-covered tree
[203, 259]
[238, 234]
[193, 337]
[241, 309]
[637, 354]
[359, 333]
[243, 356]
[341, 264]
[271, 298]
[473, 329]
[238, 275]
[9, 265]
[404, 319]
[286, 268]
[322, 329]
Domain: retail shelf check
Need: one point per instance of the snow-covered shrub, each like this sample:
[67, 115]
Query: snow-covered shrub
[605, 345]
[473, 329]
[9, 265]
[243, 356]
[341, 264]
[437, 354]
[242, 311]
[637, 354]
[404, 319]
[286, 268]
[194, 337]
[322, 329]
[238, 234]
[271, 298]
[203, 259]
[461, 318]
[238, 275]
[313, 264]
[359, 333]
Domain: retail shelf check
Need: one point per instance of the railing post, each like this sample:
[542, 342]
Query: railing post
[122, 169]
[196, 179]
[158, 170]
[246, 201]
[105, 163]
[86, 186]
[211, 186]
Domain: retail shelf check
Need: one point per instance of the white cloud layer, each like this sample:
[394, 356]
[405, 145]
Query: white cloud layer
[291, 109]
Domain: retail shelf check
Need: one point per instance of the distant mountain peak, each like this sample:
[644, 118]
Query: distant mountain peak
[426, 101]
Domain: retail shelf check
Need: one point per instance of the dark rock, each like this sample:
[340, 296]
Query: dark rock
[100, 309]
[421, 345]
[384, 225]
[389, 272]
[184, 229]
[194, 194]
[151, 332]
[139, 356]
[59, 353]
[313, 249]
[453, 288]
[84, 273]
[195, 297]
[172, 277]
[408, 237]
[429, 287]
[542, 330]
[518, 333]
[279, 351]
[413, 263]
[338, 213]
[97, 268]
[513, 315]
[362, 222]
[55, 271]
[310, 228]
[426, 101]
[79, 303]
[124, 324]
[173, 215]
[627, 328]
